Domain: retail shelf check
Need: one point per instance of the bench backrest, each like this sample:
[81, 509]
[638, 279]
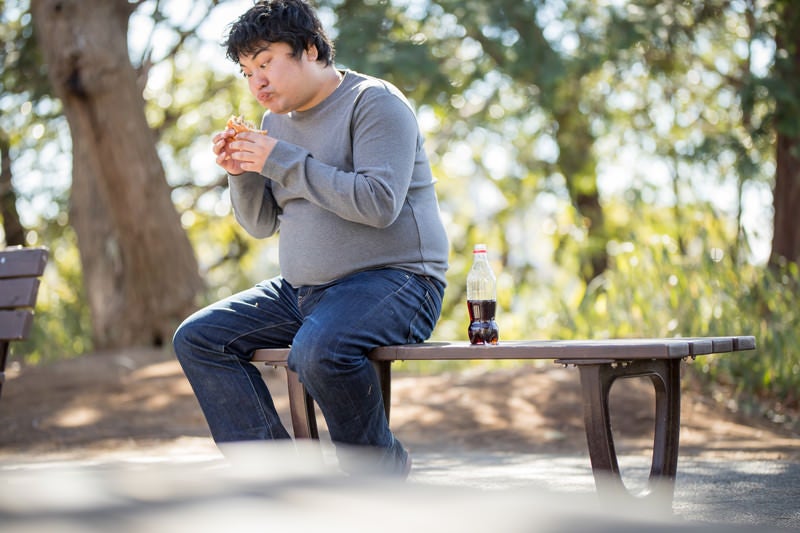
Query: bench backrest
[20, 269]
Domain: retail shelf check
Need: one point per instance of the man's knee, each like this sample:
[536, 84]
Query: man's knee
[306, 358]
[320, 355]
[188, 336]
[180, 340]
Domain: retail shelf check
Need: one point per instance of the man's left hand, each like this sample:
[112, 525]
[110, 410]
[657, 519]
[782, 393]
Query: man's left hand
[251, 150]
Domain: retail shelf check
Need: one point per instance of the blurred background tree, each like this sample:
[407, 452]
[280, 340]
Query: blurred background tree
[140, 272]
[632, 164]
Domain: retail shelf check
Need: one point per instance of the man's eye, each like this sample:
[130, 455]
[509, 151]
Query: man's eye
[246, 75]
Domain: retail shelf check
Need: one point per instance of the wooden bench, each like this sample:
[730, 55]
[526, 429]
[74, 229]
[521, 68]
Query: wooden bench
[20, 269]
[600, 362]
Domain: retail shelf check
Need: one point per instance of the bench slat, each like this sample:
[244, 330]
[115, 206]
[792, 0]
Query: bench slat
[18, 262]
[18, 292]
[598, 351]
[744, 343]
[15, 325]
[627, 349]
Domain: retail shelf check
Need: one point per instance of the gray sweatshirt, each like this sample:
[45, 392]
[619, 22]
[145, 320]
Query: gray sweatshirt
[349, 186]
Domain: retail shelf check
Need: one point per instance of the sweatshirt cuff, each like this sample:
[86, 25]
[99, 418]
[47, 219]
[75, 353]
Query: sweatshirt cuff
[284, 159]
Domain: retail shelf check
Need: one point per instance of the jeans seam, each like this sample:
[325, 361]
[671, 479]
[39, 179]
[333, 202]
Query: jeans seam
[262, 410]
[240, 363]
[225, 348]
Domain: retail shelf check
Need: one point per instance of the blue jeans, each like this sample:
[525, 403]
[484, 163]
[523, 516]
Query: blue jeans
[330, 329]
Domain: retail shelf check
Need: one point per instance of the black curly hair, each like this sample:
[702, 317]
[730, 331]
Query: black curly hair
[293, 22]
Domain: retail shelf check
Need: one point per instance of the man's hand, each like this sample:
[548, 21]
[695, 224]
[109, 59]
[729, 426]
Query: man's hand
[242, 152]
[222, 151]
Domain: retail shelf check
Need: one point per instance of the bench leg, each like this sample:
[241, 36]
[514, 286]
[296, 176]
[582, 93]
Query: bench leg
[384, 371]
[596, 381]
[301, 405]
[3, 356]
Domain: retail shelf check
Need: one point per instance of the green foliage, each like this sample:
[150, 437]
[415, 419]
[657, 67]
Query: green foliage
[766, 305]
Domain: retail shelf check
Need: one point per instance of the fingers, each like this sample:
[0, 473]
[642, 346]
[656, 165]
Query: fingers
[245, 151]
[238, 146]
[249, 137]
[220, 141]
[222, 150]
[251, 150]
[249, 161]
[223, 136]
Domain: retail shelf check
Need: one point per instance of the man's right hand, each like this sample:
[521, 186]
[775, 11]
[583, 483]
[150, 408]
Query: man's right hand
[224, 159]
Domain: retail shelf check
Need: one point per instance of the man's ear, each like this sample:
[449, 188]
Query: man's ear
[311, 52]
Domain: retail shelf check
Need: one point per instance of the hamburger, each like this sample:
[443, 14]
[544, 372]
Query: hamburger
[238, 124]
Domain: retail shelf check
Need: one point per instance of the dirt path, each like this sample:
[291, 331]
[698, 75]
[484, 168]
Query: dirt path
[140, 401]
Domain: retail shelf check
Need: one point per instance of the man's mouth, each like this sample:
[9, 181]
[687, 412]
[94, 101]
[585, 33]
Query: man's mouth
[265, 96]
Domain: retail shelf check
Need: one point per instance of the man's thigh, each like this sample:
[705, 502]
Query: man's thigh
[264, 316]
[369, 309]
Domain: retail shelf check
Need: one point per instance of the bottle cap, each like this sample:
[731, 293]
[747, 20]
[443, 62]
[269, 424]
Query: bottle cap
[479, 249]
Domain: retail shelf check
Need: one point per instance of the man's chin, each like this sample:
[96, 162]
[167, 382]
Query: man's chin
[277, 109]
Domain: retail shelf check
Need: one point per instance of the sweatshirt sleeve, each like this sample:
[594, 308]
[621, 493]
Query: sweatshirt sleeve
[253, 204]
[384, 146]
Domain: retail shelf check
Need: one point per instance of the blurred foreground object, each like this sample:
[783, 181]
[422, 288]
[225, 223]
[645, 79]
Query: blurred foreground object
[284, 486]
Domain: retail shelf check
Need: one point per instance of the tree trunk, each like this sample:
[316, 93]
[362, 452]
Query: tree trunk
[578, 165]
[12, 227]
[139, 268]
[786, 193]
[786, 199]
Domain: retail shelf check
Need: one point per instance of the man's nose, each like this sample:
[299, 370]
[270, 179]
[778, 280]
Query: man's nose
[259, 80]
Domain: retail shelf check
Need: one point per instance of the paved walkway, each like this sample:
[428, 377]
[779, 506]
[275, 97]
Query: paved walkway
[760, 494]
[281, 490]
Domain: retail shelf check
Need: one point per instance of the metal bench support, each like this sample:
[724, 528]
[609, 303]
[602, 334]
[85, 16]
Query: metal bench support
[596, 382]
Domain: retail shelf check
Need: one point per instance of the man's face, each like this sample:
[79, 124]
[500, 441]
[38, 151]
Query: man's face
[279, 81]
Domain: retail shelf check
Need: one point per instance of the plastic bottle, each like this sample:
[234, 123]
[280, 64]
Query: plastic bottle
[482, 299]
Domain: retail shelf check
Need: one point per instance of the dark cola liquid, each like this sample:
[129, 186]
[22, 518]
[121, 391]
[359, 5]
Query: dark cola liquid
[482, 327]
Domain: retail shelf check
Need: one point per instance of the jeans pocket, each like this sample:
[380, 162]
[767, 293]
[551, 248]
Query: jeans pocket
[427, 315]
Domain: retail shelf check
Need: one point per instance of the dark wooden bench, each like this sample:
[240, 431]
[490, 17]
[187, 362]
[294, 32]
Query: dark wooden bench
[20, 269]
[600, 362]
